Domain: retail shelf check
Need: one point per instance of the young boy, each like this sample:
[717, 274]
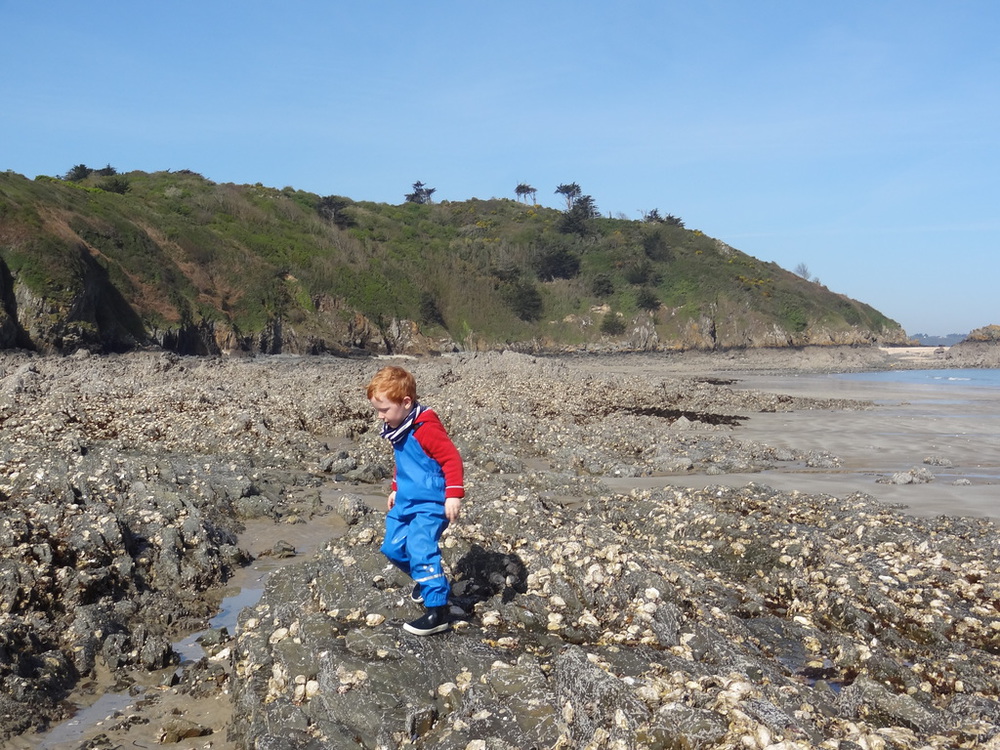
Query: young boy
[426, 492]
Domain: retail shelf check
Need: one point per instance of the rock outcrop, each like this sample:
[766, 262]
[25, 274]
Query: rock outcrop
[677, 618]
[980, 349]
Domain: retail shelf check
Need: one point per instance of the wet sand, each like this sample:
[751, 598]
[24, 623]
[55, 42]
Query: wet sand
[906, 425]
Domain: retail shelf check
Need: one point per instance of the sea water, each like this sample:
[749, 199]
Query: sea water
[945, 380]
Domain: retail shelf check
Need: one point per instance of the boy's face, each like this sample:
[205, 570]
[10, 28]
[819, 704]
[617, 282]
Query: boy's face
[390, 412]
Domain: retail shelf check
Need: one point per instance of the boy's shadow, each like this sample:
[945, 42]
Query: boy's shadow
[480, 575]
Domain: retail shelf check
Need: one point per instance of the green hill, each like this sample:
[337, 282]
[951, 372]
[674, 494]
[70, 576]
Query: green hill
[110, 262]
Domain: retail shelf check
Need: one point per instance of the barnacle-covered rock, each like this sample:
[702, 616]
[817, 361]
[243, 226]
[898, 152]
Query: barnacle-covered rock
[585, 616]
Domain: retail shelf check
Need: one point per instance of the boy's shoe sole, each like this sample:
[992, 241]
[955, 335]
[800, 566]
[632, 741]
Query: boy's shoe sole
[435, 620]
[415, 595]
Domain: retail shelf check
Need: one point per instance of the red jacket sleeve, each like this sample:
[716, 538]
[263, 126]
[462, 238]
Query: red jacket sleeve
[435, 441]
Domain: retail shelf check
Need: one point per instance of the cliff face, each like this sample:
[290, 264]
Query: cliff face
[710, 334]
[99, 319]
[90, 322]
[707, 333]
[11, 334]
[318, 335]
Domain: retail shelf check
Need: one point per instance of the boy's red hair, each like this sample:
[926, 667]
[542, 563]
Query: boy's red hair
[393, 383]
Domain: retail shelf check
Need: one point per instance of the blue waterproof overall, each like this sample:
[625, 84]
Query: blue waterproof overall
[414, 525]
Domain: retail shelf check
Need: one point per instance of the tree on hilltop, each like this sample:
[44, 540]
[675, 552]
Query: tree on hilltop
[421, 193]
[81, 172]
[654, 217]
[803, 270]
[570, 191]
[331, 208]
[523, 190]
[78, 173]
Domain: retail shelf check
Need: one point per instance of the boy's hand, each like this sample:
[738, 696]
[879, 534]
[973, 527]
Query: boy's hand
[452, 508]
[391, 500]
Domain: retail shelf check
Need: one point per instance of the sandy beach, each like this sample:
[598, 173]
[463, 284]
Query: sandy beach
[907, 425]
[900, 428]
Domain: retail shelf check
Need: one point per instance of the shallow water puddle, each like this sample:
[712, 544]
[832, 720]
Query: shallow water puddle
[68, 734]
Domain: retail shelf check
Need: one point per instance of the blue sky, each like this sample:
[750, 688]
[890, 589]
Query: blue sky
[857, 138]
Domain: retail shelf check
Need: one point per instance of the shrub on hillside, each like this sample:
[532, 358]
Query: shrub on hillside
[332, 208]
[115, 184]
[612, 325]
[557, 263]
[525, 300]
[646, 299]
[602, 286]
[641, 272]
[655, 246]
[430, 312]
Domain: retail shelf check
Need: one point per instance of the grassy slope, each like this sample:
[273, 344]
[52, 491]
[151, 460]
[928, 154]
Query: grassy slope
[182, 249]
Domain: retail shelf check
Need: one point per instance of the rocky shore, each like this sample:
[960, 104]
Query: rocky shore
[587, 617]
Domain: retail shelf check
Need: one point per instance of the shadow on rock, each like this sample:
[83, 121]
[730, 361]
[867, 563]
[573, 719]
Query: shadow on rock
[480, 575]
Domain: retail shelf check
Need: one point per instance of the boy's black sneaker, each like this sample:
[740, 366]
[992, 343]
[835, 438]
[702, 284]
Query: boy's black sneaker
[434, 620]
[415, 595]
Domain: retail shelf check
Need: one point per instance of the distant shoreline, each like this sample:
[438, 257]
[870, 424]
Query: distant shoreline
[922, 355]
[786, 361]
[773, 360]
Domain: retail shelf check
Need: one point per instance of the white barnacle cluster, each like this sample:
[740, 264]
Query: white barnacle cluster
[349, 679]
[305, 688]
[539, 582]
[643, 607]
[277, 682]
[280, 633]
